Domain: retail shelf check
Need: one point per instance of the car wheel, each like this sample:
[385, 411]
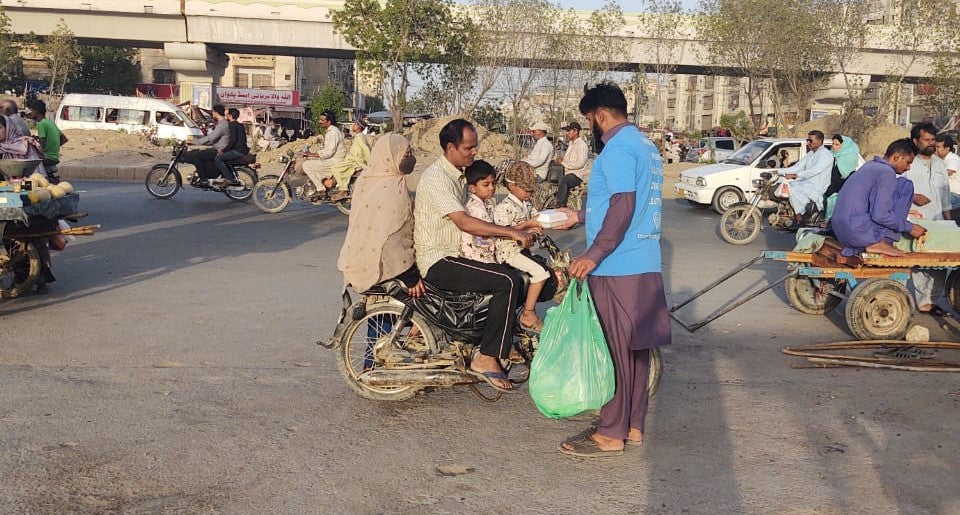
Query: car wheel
[726, 197]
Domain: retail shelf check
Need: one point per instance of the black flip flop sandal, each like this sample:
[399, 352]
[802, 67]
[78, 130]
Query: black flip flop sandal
[587, 448]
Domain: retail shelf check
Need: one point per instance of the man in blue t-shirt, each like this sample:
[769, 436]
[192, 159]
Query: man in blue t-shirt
[622, 218]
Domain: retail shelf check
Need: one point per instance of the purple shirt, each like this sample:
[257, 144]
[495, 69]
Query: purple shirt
[873, 205]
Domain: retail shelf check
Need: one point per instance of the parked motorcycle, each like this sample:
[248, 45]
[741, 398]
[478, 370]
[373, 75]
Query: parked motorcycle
[273, 193]
[391, 346]
[741, 223]
[164, 180]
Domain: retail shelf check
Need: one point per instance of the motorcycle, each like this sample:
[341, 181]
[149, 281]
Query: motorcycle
[163, 181]
[273, 193]
[390, 346]
[741, 223]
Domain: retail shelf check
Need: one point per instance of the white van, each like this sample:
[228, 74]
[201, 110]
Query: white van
[132, 114]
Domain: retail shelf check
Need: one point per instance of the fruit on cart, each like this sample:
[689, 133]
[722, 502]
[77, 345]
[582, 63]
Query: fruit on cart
[66, 186]
[56, 191]
[38, 181]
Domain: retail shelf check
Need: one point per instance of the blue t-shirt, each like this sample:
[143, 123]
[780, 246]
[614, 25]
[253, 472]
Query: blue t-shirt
[628, 162]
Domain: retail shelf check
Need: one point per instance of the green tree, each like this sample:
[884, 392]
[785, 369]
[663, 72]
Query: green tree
[328, 98]
[105, 70]
[63, 57]
[663, 22]
[396, 38]
[739, 124]
[490, 116]
[11, 65]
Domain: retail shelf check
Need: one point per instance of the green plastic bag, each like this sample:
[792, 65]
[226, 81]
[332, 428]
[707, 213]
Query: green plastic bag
[572, 371]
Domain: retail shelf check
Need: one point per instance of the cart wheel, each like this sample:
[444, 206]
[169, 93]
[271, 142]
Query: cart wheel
[20, 271]
[879, 309]
[953, 289]
[807, 297]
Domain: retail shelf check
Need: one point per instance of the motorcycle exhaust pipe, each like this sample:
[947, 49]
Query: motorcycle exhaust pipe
[416, 377]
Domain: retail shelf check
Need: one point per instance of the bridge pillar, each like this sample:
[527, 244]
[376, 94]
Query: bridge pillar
[199, 68]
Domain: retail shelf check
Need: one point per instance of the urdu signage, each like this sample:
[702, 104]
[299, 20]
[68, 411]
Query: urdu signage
[259, 97]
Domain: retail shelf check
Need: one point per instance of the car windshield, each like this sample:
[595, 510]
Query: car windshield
[748, 153]
[185, 119]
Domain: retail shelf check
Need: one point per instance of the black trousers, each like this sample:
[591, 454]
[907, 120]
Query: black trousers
[567, 183]
[465, 275]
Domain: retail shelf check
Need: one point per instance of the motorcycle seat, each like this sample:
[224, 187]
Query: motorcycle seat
[247, 159]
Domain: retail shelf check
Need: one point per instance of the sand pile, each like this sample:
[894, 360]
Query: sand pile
[424, 136]
[871, 135]
[85, 144]
[272, 157]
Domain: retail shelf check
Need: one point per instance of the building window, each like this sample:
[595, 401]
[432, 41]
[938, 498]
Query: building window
[708, 82]
[708, 102]
[706, 121]
[254, 78]
[161, 76]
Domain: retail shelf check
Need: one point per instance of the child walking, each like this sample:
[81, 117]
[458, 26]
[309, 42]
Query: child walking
[515, 210]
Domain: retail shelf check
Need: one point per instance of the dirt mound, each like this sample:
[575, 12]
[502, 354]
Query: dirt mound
[272, 157]
[424, 136]
[871, 135]
[84, 144]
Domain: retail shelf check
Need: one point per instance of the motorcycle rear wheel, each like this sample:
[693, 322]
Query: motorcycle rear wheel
[248, 178]
[354, 356]
[738, 226]
[21, 271]
[162, 185]
[268, 199]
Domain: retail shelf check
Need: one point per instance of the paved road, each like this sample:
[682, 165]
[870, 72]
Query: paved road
[172, 369]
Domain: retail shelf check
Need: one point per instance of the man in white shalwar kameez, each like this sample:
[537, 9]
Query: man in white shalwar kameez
[809, 178]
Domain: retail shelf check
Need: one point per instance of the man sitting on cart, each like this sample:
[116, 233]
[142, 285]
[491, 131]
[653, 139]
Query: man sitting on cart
[873, 204]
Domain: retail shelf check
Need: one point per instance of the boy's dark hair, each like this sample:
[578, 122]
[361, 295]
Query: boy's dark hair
[903, 147]
[330, 116]
[479, 171]
[38, 106]
[605, 94]
[452, 132]
[922, 127]
[219, 109]
[946, 140]
[818, 134]
[234, 112]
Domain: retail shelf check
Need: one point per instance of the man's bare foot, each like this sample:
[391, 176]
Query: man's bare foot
[605, 443]
[489, 367]
[530, 320]
[884, 248]
[635, 436]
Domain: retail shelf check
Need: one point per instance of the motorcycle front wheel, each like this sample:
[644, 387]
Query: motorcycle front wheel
[161, 184]
[355, 355]
[740, 226]
[269, 196]
[248, 178]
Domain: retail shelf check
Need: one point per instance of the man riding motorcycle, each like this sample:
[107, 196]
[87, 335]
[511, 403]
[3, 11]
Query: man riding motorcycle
[218, 139]
[235, 149]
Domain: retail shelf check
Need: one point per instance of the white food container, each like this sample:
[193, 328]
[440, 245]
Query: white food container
[550, 218]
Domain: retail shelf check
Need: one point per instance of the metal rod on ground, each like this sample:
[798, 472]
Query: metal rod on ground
[716, 283]
[718, 314]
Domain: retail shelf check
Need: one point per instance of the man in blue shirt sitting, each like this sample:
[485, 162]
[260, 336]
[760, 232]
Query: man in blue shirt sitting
[873, 204]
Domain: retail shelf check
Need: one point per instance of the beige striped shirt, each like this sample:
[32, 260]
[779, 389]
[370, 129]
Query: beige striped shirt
[440, 192]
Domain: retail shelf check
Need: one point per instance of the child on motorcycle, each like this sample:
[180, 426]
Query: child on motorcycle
[481, 181]
[515, 210]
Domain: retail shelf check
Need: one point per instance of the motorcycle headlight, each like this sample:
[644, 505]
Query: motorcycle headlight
[758, 183]
[701, 181]
[284, 159]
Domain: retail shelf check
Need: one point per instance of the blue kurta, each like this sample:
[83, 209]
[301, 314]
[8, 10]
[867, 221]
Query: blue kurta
[873, 205]
[813, 172]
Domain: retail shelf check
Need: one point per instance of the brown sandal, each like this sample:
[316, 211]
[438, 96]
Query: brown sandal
[587, 447]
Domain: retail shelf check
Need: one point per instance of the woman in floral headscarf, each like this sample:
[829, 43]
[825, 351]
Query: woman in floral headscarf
[14, 145]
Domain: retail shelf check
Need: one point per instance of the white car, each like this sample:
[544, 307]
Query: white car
[721, 185]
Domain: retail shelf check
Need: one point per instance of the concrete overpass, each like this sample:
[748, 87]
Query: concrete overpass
[196, 34]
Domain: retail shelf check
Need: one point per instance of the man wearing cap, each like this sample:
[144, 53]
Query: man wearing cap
[539, 157]
[575, 163]
[319, 166]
